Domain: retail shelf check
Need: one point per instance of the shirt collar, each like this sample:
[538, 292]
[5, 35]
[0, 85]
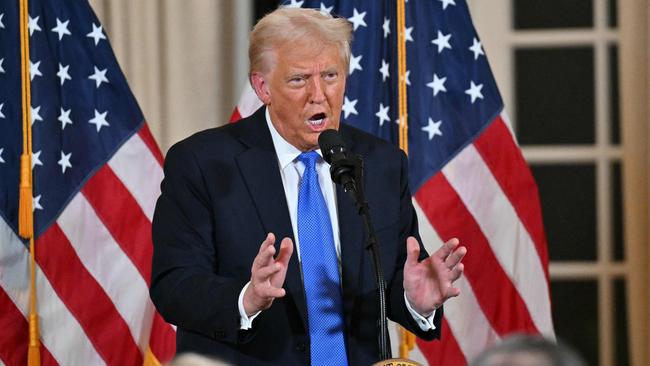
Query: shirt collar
[286, 152]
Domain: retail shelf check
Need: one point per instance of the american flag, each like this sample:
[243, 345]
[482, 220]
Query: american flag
[96, 175]
[467, 173]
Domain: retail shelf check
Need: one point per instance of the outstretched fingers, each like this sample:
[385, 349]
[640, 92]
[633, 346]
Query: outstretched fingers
[455, 257]
[447, 248]
[267, 251]
[265, 272]
[282, 263]
[456, 272]
[451, 254]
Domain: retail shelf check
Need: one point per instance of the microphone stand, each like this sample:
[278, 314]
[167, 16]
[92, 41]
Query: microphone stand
[358, 196]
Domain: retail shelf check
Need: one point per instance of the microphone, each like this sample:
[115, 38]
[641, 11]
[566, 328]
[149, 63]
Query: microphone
[346, 171]
[342, 168]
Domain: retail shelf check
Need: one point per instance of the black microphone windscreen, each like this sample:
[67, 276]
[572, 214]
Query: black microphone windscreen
[330, 142]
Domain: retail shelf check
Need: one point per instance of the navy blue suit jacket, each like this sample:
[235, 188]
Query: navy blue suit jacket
[221, 195]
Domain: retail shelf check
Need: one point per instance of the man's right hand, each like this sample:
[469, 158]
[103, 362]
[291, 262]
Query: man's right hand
[267, 275]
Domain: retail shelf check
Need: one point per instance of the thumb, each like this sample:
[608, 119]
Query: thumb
[412, 251]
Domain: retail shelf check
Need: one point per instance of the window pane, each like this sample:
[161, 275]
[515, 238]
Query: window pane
[575, 316]
[617, 213]
[553, 14]
[613, 95]
[613, 14]
[554, 90]
[620, 318]
[568, 195]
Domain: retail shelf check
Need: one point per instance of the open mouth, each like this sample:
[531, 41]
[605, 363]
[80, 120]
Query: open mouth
[317, 119]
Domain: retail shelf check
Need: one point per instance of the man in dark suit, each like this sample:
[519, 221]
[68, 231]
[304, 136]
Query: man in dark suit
[226, 190]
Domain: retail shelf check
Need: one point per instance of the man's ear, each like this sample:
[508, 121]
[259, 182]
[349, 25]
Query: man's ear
[258, 81]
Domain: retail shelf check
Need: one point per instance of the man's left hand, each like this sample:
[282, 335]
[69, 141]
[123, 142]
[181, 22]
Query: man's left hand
[430, 283]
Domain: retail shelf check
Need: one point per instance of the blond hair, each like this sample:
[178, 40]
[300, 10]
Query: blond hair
[294, 24]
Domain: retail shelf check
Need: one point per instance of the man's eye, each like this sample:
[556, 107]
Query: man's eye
[298, 80]
[331, 76]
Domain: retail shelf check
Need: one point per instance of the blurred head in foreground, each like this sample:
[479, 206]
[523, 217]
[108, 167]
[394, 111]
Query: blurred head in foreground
[528, 350]
[193, 359]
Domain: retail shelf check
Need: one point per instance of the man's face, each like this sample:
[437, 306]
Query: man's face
[303, 91]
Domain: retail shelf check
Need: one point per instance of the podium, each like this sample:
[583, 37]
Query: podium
[397, 362]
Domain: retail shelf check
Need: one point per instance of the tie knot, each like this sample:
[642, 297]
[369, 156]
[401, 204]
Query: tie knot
[309, 158]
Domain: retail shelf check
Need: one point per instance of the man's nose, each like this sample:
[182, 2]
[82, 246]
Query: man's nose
[316, 91]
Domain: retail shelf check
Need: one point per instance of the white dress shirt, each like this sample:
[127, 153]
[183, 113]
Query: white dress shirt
[291, 171]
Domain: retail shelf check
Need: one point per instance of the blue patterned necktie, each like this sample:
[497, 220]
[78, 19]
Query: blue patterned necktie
[320, 269]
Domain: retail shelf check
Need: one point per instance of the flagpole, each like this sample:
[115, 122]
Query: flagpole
[401, 70]
[406, 338]
[25, 210]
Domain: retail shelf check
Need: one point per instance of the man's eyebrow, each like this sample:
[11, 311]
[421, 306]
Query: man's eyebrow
[330, 69]
[298, 74]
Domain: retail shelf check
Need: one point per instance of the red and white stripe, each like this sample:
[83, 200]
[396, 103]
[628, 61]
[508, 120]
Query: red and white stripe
[93, 271]
[248, 103]
[486, 197]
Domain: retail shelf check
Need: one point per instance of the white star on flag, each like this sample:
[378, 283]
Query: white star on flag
[1, 151]
[386, 27]
[32, 24]
[348, 107]
[61, 28]
[325, 10]
[64, 161]
[433, 128]
[63, 73]
[1, 114]
[476, 48]
[442, 41]
[2, 70]
[438, 84]
[384, 70]
[294, 4]
[382, 114]
[99, 76]
[33, 70]
[36, 159]
[357, 19]
[355, 63]
[2, 24]
[96, 34]
[99, 120]
[406, 76]
[35, 114]
[407, 34]
[64, 118]
[36, 203]
[446, 3]
[474, 91]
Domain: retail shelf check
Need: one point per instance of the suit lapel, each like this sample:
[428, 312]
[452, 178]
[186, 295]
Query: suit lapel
[259, 168]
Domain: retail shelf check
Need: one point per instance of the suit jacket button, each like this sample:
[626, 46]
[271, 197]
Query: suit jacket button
[301, 347]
